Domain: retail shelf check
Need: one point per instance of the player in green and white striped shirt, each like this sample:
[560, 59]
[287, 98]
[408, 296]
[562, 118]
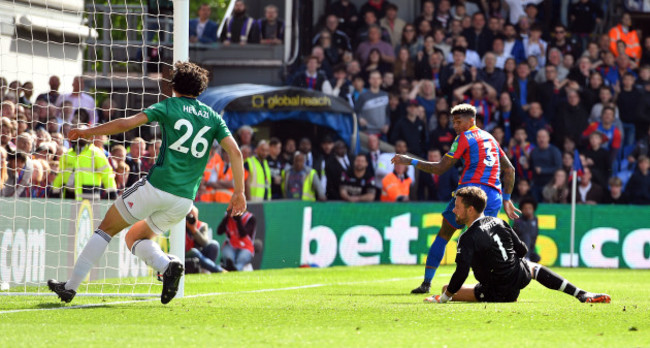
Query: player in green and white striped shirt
[156, 203]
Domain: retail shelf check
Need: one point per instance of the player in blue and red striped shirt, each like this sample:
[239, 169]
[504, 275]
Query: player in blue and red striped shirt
[484, 161]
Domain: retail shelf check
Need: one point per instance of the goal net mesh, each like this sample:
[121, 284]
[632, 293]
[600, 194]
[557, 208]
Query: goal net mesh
[110, 59]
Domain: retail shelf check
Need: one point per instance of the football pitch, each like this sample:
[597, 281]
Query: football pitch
[340, 306]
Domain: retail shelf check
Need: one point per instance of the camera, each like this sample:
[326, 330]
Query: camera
[191, 219]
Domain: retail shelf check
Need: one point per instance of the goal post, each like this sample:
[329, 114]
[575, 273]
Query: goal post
[181, 53]
[113, 48]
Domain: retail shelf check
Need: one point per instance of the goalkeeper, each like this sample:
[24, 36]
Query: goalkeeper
[162, 199]
[494, 252]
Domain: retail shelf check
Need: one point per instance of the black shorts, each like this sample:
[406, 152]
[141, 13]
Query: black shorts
[489, 293]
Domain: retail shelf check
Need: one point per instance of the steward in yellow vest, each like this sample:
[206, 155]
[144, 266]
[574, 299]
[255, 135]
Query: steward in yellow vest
[301, 182]
[258, 184]
[83, 171]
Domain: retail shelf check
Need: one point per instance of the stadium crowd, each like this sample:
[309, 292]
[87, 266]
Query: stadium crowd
[543, 89]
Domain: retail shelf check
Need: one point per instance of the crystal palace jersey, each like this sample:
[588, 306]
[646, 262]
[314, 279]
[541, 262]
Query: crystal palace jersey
[480, 153]
[188, 129]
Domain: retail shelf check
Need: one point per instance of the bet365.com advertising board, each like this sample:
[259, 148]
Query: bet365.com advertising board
[42, 239]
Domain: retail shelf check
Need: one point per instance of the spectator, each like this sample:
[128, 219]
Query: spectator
[545, 159]
[347, 15]
[439, 41]
[471, 57]
[372, 107]
[638, 187]
[301, 182]
[121, 176]
[630, 38]
[321, 159]
[571, 118]
[26, 92]
[373, 153]
[424, 93]
[358, 88]
[276, 166]
[19, 178]
[479, 38]
[223, 185]
[615, 194]
[341, 86]
[598, 159]
[565, 43]
[393, 24]
[490, 74]
[427, 14]
[629, 107]
[605, 99]
[535, 46]
[513, 45]
[211, 173]
[378, 7]
[584, 15]
[332, 55]
[588, 191]
[554, 60]
[240, 28]
[53, 95]
[557, 190]
[412, 130]
[409, 41]
[482, 96]
[374, 41]
[199, 244]
[527, 227]
[433, 187]
[522, 191]
[374, 63]
[498, 50]
[358, 183]
[519, 153]
[238, 248]
[443, 15]
[245, 134]
[507, 116]
[642, 148]
[288, 150]
[370, 20]
[311, 78]
[611, 135]
[535, 120]
[523, 88]
[385, 165]
[203, 29]
[405, 68]
[581, 74]
[396, 185]
[153, 149]
[442, 136]
[550, 92]
[456, 74]
[78, 100]
[335, 166]
[470, 7]
[271, 27]
[431, 69]
[258, 184]
[645, 56]
[25, 144]
[3, 168]
[135, 161]
[339, 38]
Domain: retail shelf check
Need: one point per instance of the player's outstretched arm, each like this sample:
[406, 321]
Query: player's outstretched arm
[113, 127]
[508, 174]
[437, 168]
[237, 205]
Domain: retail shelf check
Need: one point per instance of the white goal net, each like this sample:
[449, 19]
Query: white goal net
[64, 63]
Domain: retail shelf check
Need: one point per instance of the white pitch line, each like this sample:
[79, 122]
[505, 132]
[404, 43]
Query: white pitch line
[214, 294]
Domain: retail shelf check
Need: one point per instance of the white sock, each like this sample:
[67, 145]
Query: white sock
[92, 252]
[150, 252]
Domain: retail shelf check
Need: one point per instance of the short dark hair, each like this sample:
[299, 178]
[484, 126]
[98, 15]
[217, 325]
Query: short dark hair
[472, 196]
[464, 110]
[189, 79]
[274, 141]
[17, 155]
[460, 49]
[528, 200]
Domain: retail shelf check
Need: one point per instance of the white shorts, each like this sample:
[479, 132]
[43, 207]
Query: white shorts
[160, 210]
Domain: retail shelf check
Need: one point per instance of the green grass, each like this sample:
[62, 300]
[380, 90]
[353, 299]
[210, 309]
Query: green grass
[353, 306]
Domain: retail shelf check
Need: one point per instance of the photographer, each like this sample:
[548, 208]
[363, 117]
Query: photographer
[238, 249]
[199, 245]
